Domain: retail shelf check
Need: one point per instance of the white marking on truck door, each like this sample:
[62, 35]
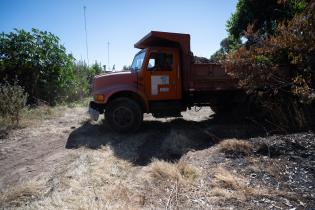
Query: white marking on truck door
[157, 80]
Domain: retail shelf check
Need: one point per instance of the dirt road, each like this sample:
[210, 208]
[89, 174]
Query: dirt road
[37, 150]
[40, 149]
[66, 161]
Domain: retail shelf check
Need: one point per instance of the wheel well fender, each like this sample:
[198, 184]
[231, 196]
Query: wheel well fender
[130, 94]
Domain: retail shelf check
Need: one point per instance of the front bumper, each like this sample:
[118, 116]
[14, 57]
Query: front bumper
[94, 114]
[95, 110]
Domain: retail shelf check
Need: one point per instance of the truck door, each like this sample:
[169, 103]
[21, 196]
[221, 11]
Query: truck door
[162, 75]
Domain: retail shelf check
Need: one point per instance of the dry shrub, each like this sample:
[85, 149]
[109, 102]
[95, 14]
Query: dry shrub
[234, 146]
[161, 170]
[169, 185]
[12, 101]
[278, 71]
[187, 171]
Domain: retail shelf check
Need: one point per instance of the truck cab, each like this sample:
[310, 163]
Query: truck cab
[158, 73]
[163, 80]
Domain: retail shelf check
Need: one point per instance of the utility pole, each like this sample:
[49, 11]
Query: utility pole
[108, 55]
[86, 39]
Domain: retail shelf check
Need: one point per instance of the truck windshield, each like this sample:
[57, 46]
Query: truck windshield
[137, 61]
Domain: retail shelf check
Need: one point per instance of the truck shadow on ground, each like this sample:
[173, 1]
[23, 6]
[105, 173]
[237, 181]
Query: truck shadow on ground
[161, 140]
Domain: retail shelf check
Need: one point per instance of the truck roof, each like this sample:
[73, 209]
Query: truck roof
[165, 39]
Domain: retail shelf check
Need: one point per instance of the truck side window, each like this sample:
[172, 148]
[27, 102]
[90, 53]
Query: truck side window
[151, 64]
[160, 62]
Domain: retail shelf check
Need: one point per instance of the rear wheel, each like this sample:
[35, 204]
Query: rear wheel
[123, 115]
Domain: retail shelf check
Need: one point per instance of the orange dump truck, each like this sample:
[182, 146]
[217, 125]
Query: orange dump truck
[163, 80]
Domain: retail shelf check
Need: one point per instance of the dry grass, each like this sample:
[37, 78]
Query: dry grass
[235, 146]
[22, 194]
[230, 185]
[228, 180]
[168, 185]
[40, 113]
[33, 116]
[80, 103]
[160, 170]
[94, 180]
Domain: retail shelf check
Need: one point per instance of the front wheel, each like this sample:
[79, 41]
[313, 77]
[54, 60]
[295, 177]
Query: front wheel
[123, 115]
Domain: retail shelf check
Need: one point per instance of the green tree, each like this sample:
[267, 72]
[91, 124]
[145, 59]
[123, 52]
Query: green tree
[227, 45]
[264, 16]
[39, 61]
[258, 16]
[96, 68]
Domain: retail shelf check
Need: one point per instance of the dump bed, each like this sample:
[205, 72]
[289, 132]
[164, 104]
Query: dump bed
[210, 77]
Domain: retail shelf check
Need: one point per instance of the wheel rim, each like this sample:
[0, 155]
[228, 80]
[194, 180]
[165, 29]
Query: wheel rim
[123, 116]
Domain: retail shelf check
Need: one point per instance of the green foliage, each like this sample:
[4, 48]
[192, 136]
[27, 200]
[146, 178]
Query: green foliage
[264, 16]
[218, 56]
[258, 16]
[12, 101]
[43, 67]
[227, 45]
[39, 62]
[96, 69]
[262, 60]
[230, 43]
[82, 80]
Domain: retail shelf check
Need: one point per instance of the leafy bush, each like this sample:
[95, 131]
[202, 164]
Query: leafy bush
[279, 70]
[43, 67]
[12, 101]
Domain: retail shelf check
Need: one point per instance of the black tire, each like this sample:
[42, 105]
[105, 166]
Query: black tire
[123, 115]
